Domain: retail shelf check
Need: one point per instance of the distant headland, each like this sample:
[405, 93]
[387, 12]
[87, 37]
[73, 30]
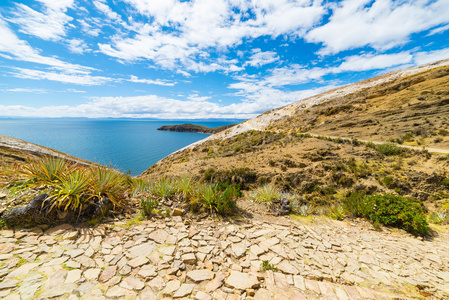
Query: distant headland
[194, 128]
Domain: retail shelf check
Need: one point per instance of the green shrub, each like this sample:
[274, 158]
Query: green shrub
[48, 170]
[396, 211]
[445, 182]
[389, 149]
[71, 191]
[353, 204]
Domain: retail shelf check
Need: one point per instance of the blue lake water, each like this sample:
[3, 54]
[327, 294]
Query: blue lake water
[132, 145]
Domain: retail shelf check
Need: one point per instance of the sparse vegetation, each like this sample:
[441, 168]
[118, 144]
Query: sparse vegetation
[265, 193]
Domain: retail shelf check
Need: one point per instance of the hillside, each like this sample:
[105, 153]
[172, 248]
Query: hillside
[301, 147]
[15, 151]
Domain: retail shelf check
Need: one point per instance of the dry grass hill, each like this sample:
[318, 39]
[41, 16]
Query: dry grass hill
[321, 146]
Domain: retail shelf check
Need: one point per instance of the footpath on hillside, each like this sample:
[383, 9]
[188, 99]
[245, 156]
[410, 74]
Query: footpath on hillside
[213, 259]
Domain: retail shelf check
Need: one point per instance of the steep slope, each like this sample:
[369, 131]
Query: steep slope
[13, 151]
[283, 146]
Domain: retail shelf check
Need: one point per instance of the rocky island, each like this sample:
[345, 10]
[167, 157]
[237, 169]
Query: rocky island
[194, 128]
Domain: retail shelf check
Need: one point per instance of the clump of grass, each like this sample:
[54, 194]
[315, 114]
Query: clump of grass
[216, 200]
[304, 210]
[184, 187]
[265, 193]
[140, 186]
[109, 183]
[438, 217]
[47, 171]
[389, 149]
[163, 188]
[266, 266]
[336, 212]
[148, 205]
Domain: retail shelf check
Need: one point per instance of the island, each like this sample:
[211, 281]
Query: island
[194, 128]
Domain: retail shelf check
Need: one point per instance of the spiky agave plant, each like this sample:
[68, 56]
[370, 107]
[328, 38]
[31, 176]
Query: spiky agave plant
[71, 191]
[216, 200]
[47, 170]
[106, 182]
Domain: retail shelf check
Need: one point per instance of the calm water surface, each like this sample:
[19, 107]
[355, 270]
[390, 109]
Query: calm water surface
[132, 145]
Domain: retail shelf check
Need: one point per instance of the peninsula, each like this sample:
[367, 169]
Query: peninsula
[194, 128]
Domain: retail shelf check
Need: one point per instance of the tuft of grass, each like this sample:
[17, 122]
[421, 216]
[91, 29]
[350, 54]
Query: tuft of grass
[389, 149]
[336, 212]
[139, 186]
[217, 200]
[49, 170]
[265, 193]
[163, 188]
[184, 187]
[266, 266]
[105, 182]
[148, 205]
[438, 217]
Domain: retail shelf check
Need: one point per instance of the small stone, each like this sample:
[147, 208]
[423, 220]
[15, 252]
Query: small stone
[214, 284]
[147, 273]
[241, 281]
[30, 285]
[119, 292]
[177, 212]
[159, 236]
[138, 261]
[202, 296]
[7, 284]
[59, 291]
[92, 274]
[171, 287]
[188, 258]
[132, 283]
[108, 273]
[237, 250]
[184, 290]
[73, 276]
[200, 275]
[286, 267]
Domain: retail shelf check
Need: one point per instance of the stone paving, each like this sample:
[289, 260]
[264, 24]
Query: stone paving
[171, 258]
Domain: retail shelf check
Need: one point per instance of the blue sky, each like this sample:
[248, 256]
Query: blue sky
[202, 59]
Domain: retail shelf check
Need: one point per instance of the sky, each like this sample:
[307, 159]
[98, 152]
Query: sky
[204, 59]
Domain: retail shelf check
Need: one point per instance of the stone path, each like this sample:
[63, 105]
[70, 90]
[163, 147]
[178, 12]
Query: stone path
[219, 260]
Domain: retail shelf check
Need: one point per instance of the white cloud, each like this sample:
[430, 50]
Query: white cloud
[17, 49]
[150, 81]
[26, 90]
[77, 46]
[196, 27]
[81, 79]
[47, 25]
[366, 62]
[431, 56]
[198, 98]
[260, 58]
[381, 24]
[439, 30]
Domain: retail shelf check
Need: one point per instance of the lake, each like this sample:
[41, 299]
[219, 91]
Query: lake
[127, 145]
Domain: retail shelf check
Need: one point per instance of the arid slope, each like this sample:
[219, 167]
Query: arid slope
[409, 107]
